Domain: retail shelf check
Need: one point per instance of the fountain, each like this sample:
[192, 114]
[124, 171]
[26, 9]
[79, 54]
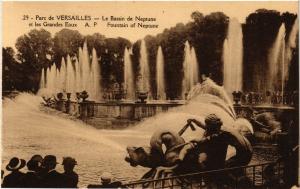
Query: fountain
[48, 79]
[54, 77]
[160, 75]
[233, 57]
[62, 75]
[77, 76]
[280, 57]
[190, 70]
[291, 44]
[95, 91]
[70, 76]
[42, 81]
[275, 60]
[86, 84]
[186, 70]
[74, 77]
[30, 129]
[57, 79]
[128, 75]
[194, 67]
[144, 83]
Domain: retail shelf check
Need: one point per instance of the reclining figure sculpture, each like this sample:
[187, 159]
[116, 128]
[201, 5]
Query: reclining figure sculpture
[168, 162]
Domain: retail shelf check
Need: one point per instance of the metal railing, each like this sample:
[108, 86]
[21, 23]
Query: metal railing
[252, 176]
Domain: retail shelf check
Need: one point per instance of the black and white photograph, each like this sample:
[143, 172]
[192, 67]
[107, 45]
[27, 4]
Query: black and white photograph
[156, 94]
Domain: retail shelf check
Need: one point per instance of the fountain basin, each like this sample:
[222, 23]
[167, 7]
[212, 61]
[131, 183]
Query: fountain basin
[123, 112]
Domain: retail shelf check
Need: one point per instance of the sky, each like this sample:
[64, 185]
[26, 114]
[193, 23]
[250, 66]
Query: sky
[167, 14]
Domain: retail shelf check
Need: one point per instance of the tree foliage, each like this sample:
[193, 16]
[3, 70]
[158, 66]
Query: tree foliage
[11, 71]
[66, 42]
[35, 51]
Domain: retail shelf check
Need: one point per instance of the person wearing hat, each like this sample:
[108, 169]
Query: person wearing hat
[2, 175]
[33, 179]
[70, 176]
[40, 169]
[52, 178]
[106, 182]
[106, 179]
[12, 180]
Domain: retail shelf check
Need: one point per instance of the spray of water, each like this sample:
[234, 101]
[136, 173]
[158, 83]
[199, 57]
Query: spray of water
[63, 75]
[291, 44]
[77, 76]
[85, 68]
[144, 70]
[27, 131]
[53, 82]
[190, 69]
[17, 111]
[95, 91]
[70, 76]
[233, 57]
[128, 75]
[205, 98]
[195, 67]
[42, 81]
[186, 70]
[276, 60]
[74, 76]
[160, 75]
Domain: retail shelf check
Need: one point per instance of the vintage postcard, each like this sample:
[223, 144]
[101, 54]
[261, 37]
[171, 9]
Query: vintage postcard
[150, 94]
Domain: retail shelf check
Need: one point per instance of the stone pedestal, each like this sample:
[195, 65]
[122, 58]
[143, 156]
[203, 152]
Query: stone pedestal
[86, 109]
[60, 105]
[68, 106]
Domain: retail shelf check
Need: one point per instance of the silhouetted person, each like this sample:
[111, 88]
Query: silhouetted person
[52, 178]
[32, 179]
[106, 182]
[39, 169]
[12, 180]
[70, 176]
[2, 175]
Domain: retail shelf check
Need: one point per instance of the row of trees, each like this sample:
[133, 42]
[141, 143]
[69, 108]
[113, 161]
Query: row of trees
[206, 33]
